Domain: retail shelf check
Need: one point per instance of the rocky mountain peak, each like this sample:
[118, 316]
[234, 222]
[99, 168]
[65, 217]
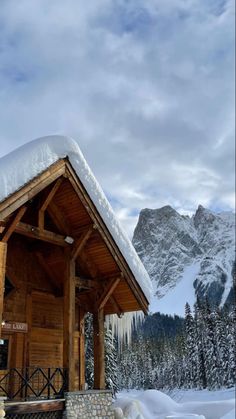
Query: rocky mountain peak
[168, 243]
[202, 216]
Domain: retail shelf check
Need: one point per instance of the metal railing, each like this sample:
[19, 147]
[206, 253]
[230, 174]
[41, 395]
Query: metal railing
[33, 383]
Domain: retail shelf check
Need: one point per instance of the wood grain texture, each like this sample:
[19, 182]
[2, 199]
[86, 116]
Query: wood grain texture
[69, 321]
[44, 235]
[46, 202]
[33, 407]
[3, 257]
[13, 223]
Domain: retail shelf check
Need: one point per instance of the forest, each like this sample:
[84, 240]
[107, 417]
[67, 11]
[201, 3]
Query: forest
[170, 352]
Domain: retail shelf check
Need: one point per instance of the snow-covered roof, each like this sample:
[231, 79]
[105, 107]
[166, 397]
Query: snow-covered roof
[23, 164]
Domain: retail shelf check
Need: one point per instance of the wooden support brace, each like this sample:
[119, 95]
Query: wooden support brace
[108, 291]
[47, 202]
[81, 243]
[99, 350]
[116, 306]
[3, 257]
[11, 227]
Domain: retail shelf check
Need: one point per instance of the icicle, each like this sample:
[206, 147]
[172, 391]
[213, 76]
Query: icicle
[122, 327]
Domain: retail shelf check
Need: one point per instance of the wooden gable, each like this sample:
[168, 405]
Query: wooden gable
[55, 205]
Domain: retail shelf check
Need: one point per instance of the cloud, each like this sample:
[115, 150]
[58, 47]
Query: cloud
[145, 87]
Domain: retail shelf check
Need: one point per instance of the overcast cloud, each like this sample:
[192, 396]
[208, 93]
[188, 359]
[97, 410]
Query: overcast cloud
[146, 87]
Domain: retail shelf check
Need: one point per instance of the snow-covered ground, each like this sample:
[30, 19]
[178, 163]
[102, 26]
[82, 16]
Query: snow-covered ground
[181, 404]
[174, 301]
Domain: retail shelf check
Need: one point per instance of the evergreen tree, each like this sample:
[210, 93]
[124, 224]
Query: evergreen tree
[201, 356]
[230, 341]
[201, 361]
[221, 320]
[111, 367]
[89, 357]
[191, 348]
[212, 361]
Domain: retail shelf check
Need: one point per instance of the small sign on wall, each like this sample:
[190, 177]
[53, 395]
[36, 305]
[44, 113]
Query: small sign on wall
[15, 327]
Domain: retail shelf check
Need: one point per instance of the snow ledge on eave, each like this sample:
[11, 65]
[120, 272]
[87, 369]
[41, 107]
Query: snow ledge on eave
[28, 161]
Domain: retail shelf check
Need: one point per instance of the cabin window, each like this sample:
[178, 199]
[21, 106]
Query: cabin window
[8, 287]
[4, 346]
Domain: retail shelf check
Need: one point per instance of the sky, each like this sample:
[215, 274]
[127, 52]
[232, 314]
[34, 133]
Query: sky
[146, 87]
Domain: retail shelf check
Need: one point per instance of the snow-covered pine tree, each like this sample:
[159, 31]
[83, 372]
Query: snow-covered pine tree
[231, 345]
[111, 367]
[201, 362]
[221, 320]
[89, 357]
[191, 348]
[212, 361]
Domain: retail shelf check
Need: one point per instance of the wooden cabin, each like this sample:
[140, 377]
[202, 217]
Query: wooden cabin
[59, 259]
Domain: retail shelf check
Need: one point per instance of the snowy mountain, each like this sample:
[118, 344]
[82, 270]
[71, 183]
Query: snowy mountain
[187, 256]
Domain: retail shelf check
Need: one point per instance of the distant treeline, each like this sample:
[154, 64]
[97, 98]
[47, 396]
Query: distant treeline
[169, 352]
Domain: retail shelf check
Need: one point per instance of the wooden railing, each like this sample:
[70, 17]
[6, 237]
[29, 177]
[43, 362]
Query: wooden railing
[33, 383]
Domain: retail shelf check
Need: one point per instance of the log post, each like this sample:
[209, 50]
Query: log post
[3, 258]
[28, 335]
[69, 322]
[99, 350]
[81, 350]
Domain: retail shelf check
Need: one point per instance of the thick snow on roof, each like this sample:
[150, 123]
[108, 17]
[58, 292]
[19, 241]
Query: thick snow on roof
[28, 161]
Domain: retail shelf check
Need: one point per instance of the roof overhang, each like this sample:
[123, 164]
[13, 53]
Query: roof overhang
[63, 168]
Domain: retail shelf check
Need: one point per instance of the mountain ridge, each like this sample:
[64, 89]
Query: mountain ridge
[168, 242]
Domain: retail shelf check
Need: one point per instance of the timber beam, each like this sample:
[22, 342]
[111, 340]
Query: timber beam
[85, 283]
[3, 257]
[11, 225]
[81, 242]
[46, 202]
[107, 292]
[69, 322]
[44, 235]
[116, 306]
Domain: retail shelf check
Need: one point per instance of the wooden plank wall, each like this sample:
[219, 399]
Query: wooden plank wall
[33, 302]
[46, 347]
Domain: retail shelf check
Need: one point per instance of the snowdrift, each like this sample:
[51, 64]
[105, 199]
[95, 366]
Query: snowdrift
[153, 404]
